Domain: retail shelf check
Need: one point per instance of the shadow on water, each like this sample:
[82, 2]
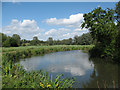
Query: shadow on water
[104, 75]
[89, 73]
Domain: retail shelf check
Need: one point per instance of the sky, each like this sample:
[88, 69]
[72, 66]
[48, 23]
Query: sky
[59, 20]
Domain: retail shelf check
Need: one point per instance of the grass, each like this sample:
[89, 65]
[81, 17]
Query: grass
[14, 76]
[8, 49]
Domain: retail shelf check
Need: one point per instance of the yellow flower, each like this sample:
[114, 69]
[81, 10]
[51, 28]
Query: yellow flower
[15, 76]
[48, 85]
[6, 71]
[56, 84]
[9, 68]
[41, 85]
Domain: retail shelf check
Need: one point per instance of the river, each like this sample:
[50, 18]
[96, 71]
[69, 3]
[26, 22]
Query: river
[88, 73]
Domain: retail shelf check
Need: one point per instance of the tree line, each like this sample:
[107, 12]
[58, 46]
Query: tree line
[16, 41]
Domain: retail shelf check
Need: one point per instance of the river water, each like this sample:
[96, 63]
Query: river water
[88, 73]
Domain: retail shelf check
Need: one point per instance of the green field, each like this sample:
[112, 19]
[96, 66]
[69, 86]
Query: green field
[7, 49]
[14, 76]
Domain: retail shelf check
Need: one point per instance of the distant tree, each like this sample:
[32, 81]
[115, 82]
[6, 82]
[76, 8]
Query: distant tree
[76, 39]
[85, 39]
[0, 39]
[50, 41]
[70, 41]
[4, 37]
[13, 42]
[35, 41]
[6, 43]
[10, 42]
[35, 38]
[16, 38]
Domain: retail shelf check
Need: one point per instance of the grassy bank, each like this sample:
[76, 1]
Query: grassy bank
[14, 76]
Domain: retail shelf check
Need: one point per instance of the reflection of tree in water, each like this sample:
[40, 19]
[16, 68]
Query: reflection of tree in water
[104, 75]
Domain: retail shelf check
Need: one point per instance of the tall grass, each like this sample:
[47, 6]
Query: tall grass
[14, 76]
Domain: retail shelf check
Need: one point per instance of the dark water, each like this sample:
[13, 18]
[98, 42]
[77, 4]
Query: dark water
[89, 74]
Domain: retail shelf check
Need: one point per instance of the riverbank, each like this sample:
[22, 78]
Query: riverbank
[14, 76]
[15, 53]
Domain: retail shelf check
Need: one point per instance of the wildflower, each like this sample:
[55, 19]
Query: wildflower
[15, 76]
[10, 75]
[56, 84]
[48, 85]
[41, 85]
[9, 68]
[6, 71]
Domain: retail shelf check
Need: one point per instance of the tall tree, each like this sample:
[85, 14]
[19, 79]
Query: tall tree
[50, 41]
[117, 45]
[102, 28]
[17, 38]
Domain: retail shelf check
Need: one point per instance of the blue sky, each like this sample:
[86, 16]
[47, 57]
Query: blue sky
[60, 20]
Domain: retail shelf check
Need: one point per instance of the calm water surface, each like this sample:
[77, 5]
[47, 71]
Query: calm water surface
[74, 64]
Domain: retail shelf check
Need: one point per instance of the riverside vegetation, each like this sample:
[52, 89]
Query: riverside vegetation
[14, 76]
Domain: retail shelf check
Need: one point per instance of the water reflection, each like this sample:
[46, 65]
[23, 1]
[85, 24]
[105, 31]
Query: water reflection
[77, 64]
[103, 75]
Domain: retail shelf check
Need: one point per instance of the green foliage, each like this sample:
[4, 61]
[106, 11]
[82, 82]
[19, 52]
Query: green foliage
[50, 41]
[85, 39]
[8, 41]
[16, 38]
[102, 28]
[14, 76]
[117, 10]
[3, 37]
[101, 24]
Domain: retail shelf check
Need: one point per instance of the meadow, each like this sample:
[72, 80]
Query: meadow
[14, 76]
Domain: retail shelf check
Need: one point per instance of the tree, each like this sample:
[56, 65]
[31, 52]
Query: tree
[102, 28]
[35, 38]
[70, 41]
[50, 41]
[76, 39]
[16, 38]
[117, 10]
[6, 43]
[3, 37]
[117, 44]
[10, 42]
[85, 39]
[35, 41]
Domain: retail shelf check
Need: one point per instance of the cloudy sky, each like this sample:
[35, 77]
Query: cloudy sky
[60, 20]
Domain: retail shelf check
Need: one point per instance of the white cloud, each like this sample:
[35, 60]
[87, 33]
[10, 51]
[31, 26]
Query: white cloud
[57, 32]
[99, 6]
[63, 33]
[72, 21]
[80, 29]
[26, 28]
